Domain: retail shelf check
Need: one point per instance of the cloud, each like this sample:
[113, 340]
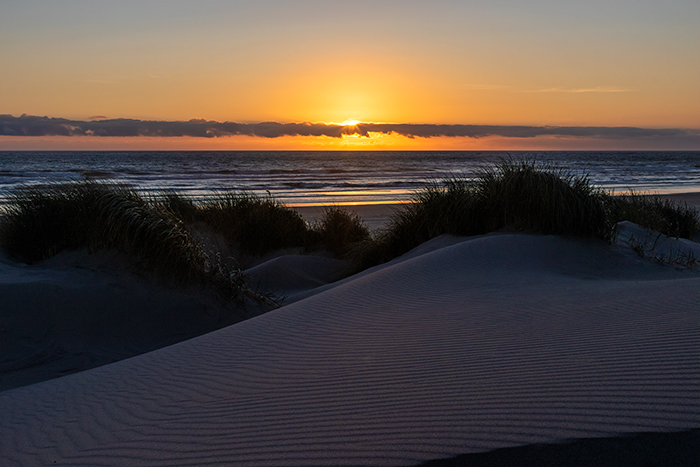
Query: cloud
[27, 125]
[512, 131]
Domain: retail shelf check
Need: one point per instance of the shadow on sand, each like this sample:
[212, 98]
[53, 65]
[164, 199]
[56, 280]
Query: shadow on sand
[681, 449]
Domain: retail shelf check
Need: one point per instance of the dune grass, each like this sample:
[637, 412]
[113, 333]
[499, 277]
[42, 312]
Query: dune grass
[253, 224]
[656, 213]
[160, 231]
[40, 222]
[522, 195]
[257, 225]
[339, 230]
[514, 195]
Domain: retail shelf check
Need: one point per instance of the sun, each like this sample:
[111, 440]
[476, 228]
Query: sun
[350, 122]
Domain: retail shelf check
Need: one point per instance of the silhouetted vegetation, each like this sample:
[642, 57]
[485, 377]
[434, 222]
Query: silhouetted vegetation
[656, 213]
[253, 224]
[256, 225]
[514, 195]
[42, 221]
[161, 232]
[39, 222]
[339, 230]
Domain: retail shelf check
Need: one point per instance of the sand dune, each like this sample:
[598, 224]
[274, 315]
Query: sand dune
[467, 345]
[78, 311]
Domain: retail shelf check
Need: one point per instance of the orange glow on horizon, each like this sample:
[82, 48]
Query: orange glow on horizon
[375, 142]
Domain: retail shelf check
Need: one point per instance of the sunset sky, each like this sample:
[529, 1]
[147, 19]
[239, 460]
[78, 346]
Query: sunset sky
[496, 63]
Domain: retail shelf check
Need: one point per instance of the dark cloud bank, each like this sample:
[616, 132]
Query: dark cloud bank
[45, 126]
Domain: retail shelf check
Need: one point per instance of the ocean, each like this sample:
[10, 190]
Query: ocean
[307, 178]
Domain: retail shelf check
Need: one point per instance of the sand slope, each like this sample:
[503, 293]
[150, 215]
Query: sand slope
[491, 342]
[77, 311]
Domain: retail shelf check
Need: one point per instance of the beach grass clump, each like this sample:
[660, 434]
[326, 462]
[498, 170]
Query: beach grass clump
[524, 195]
[513, 195]
[338, 231]
[182, 207]
[439, 208]
[253, 224]
[656, 213]
[39, 222]
[256, 225]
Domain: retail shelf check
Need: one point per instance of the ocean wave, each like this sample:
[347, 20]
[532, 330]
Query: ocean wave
[299, 174]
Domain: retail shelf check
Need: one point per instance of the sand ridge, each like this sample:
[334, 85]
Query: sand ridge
[478, 344]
